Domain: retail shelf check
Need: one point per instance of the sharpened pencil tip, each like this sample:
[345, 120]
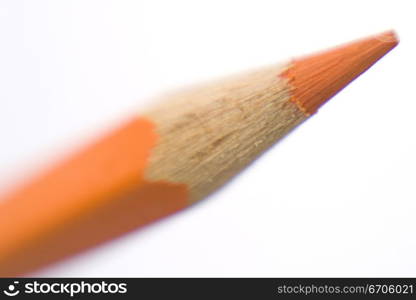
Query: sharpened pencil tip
[389, 36]
[316, 78]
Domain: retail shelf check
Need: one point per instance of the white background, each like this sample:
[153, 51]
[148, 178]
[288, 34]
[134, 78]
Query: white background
[335, 198]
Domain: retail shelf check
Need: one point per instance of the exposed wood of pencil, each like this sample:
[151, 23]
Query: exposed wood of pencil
[169, 157]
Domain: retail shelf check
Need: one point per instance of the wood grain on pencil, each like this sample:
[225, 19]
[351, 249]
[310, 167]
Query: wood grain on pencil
[169, 157]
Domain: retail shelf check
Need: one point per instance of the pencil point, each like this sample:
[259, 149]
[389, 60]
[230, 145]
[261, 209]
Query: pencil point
[316, 78]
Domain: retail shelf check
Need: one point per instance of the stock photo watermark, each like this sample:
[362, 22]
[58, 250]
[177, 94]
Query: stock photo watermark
[36, 287]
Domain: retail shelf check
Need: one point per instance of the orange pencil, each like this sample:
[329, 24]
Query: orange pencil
[169, 157]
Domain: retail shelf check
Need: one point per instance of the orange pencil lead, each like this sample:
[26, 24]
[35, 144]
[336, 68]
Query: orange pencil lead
[318, 77]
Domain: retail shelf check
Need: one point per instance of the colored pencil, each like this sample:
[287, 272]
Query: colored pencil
[169, 157]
